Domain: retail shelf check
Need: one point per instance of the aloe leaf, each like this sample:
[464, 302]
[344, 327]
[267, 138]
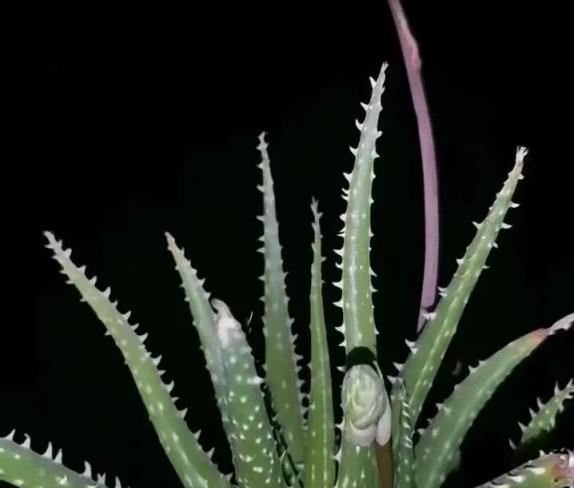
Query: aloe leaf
[282, 372]
[544, 418]
[319, 460]
[192, 464]
[204, 321]
[441, 440]
[257, 461]
[554, 470]
[21, 466]
[403, 446]
[358, 466]
[420, 369]
[364, 396]
[356, 301]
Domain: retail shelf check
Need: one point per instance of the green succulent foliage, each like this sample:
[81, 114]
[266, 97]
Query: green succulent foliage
[320, 468]
[274, 441]
[554, 469]
[403, 444]
[441, 440]
[544, 419]
[282, 372]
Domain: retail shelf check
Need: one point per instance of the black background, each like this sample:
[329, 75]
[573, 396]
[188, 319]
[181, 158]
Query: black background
[129, 119]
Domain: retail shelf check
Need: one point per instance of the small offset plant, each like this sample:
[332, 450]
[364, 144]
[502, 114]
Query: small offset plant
[275, 441]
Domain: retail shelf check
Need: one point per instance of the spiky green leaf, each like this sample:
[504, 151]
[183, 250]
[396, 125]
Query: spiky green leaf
[256, 460]
[420, 369]
[364, 395]
[319, 460]
[441, 440]
[282, 372]
[358, 317]
[204, 322]
[554, 470]
[192, 464]
[403, 445]
[358, 468]
[544, 418]
[21, 466]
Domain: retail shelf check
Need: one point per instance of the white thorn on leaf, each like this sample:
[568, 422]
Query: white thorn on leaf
[58, 457]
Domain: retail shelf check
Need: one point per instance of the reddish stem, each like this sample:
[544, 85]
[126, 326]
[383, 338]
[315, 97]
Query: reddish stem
[412, 60]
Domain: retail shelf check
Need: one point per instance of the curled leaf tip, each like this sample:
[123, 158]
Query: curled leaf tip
[226, 323]
[565, 323]
[364, 403]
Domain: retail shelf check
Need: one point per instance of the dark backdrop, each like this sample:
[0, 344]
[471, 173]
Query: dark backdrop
[130, 119]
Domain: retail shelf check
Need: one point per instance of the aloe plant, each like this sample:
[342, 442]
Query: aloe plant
[275, 441]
